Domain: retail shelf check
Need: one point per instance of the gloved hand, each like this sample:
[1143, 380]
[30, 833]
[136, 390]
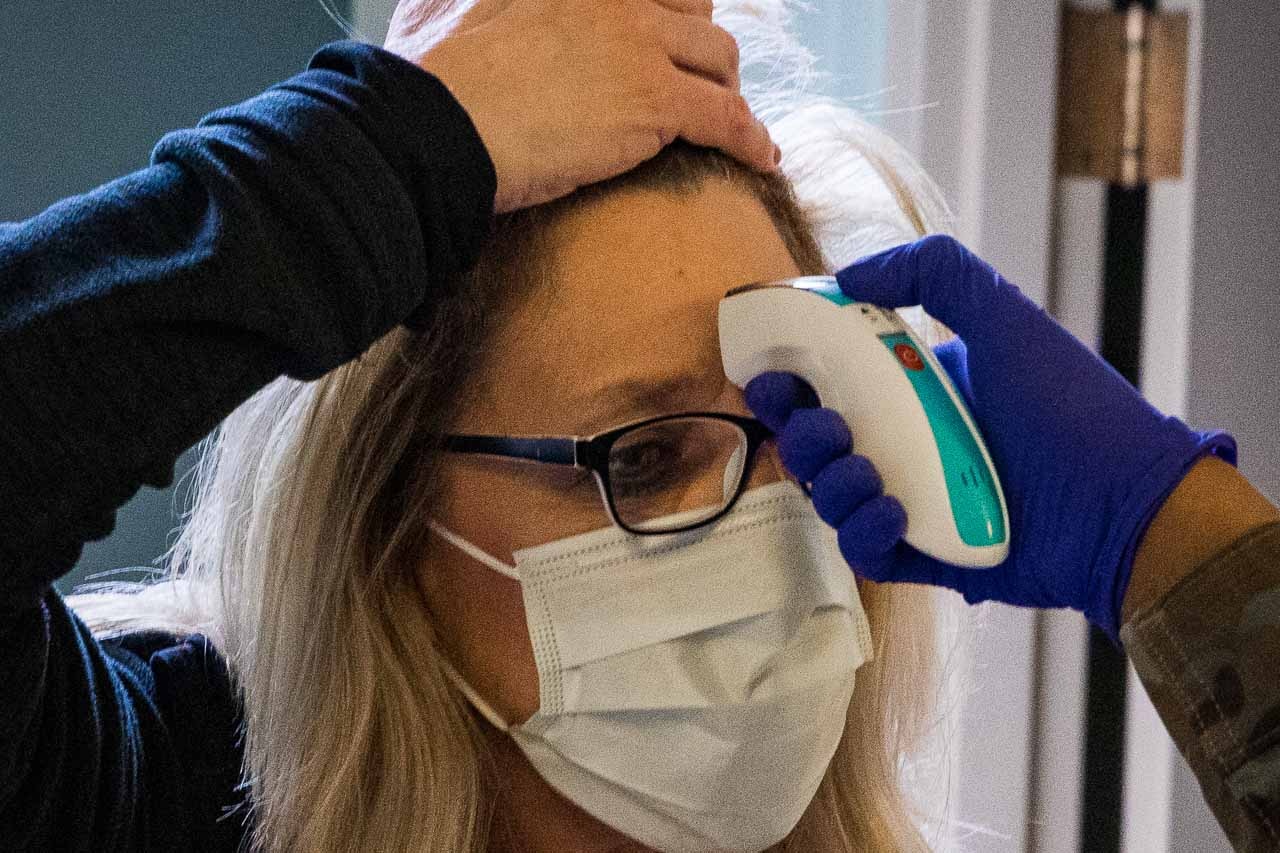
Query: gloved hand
[1084, 460]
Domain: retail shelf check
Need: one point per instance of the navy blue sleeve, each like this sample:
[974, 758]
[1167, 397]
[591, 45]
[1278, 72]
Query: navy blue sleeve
[281, 236]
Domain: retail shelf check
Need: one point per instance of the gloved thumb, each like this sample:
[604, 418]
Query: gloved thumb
[953, 284]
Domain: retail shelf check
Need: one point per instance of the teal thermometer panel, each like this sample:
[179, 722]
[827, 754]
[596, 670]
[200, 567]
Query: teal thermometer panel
[975, 504]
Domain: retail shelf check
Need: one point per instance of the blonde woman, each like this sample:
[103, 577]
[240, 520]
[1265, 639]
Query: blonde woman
[393, 283]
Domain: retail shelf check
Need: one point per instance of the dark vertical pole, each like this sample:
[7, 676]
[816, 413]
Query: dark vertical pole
[1121, 346]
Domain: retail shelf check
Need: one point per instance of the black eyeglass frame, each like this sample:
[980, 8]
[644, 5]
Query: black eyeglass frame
[592, 452]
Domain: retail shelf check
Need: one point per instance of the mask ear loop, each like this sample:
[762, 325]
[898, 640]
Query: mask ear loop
[485, 709]
[474, 552]
[477, 701]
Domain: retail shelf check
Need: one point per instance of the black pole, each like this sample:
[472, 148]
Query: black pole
[1121, 346]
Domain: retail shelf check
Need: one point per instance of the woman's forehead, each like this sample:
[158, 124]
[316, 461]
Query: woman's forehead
[631, 294]
[653, 249]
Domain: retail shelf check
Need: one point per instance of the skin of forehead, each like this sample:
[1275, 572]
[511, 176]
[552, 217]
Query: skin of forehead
[633, 286]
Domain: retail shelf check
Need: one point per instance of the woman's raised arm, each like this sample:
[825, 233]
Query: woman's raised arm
[283, 235]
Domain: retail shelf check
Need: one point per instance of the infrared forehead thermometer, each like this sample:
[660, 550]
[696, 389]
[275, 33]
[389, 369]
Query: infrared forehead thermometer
[905, 415]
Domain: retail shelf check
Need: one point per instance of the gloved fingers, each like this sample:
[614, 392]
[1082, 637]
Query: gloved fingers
[811, 439]
[904, 564]
[937, 271]
[872, 530]
[871, 541]
[845, 484]
[774, 395]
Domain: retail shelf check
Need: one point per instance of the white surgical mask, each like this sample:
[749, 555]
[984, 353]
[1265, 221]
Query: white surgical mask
[693, 686]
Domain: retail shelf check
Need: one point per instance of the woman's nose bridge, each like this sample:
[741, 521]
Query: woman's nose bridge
[768, 468]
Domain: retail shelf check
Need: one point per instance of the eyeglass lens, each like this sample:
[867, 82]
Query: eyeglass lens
[676, 472]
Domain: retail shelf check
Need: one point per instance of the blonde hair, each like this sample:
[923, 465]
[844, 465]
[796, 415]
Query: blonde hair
[297, 556]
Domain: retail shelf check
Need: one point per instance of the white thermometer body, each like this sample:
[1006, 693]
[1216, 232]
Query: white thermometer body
[905, 414]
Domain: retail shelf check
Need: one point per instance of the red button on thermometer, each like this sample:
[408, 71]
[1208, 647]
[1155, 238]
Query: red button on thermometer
[909, 356]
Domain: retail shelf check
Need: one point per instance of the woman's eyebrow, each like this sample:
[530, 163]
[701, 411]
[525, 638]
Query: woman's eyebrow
[617, 402]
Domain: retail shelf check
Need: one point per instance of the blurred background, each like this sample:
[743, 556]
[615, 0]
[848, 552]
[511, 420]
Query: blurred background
[1053, 746]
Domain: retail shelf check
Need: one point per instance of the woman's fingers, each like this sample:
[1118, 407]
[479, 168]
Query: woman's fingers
[711, 110]
[709, 114]
[697, 45]
[613, 81]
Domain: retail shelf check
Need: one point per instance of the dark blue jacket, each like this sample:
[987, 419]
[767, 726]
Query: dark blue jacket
[282, 236]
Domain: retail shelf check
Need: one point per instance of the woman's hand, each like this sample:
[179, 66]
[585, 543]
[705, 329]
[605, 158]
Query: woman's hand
[569, 92]
[1085, 461]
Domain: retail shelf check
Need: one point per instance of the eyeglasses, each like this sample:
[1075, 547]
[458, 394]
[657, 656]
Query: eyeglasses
[660, 475]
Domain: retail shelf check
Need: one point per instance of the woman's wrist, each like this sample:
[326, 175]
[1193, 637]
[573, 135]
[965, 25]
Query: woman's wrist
[1211, 508]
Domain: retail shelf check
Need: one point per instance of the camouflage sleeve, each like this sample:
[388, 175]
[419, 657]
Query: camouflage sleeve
[1209, 655]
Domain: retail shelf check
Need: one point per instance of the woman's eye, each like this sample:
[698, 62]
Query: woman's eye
[645, 466]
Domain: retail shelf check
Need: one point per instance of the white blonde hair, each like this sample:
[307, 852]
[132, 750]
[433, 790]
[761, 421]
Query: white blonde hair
[297, 555]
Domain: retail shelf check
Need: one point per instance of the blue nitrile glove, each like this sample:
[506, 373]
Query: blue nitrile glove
[1084, 460]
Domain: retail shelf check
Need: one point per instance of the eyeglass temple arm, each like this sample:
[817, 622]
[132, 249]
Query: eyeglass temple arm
[554, 451]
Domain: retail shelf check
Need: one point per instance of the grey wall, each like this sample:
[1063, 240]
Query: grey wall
[89, 88]
[1235, 312]
[1235, 300]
